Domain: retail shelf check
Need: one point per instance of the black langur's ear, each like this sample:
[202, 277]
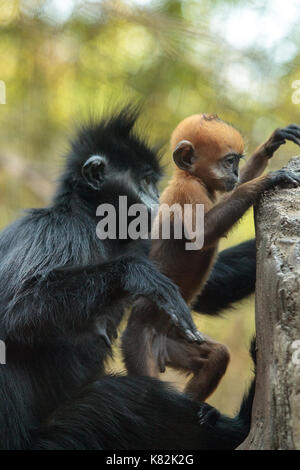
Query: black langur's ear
[93, 171]
[184, 155]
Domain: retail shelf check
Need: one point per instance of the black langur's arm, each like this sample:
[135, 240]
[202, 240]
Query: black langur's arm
[71, 298]
[232, 279]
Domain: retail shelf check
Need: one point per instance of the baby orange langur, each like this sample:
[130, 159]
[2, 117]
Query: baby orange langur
[206, 152]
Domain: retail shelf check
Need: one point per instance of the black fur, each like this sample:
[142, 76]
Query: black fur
[232, 279]
[231, 430]
[62, 295]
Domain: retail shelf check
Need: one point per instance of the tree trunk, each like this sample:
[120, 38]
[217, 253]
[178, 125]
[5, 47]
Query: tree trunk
[276, 409]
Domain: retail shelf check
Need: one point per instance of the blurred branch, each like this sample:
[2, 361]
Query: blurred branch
[169, 30]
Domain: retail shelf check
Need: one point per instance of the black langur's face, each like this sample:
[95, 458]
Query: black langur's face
[100, 174]
[108, 160]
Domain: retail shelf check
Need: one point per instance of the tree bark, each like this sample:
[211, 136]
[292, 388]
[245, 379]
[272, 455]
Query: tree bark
[276, 408]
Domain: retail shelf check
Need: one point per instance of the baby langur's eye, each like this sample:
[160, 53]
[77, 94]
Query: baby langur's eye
[230, 160]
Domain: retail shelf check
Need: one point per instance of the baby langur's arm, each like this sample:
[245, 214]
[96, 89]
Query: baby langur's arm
[219, 220]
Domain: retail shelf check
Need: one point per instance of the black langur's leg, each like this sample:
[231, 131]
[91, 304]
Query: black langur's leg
[123, 413]
[232, 279]
[72, 298]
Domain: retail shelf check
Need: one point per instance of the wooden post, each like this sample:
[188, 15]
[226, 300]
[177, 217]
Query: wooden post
[276, 409]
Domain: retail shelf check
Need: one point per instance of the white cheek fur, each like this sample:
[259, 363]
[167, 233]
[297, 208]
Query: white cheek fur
[219, 174]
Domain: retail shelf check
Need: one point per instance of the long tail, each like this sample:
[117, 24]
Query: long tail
[232, 279]
[245, 411]
[226, 432]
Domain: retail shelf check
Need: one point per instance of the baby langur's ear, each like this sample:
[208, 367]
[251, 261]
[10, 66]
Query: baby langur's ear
[184, 155]
[93, 171]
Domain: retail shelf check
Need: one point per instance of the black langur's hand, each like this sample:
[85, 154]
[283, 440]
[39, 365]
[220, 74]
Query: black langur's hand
[143, 279]
[280, 136]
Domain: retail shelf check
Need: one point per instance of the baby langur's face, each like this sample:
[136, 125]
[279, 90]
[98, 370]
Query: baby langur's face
[227, 171]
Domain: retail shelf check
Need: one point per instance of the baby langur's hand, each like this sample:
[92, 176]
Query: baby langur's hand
[280, 136]
[284, 178]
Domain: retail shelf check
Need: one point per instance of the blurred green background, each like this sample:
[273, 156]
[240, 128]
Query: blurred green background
[62, 61]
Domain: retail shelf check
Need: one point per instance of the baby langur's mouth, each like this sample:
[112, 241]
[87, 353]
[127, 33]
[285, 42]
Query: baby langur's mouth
[231, 184]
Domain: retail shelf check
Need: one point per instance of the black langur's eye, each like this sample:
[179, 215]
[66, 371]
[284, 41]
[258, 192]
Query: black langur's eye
[147, 180]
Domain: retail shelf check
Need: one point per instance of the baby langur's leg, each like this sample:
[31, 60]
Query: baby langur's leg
[144, 340]
[141, 350]
[207, 362]
[150, 343]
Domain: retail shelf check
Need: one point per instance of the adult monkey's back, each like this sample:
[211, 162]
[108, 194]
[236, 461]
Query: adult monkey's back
[63, 293]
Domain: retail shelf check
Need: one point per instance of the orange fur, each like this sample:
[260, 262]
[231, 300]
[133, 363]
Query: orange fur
[212, 137]
[201, 146]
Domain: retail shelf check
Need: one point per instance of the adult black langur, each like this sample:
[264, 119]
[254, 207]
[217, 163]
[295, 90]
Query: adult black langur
[63, 293]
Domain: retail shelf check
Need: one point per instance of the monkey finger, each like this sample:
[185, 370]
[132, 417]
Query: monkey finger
[295, 176]
[182, 312]
[275, 145]
[181, 316]
[188, 331]
[289, 136]
[200, 337]
[192, 335]
[174, 319]
[287, 178]
[293, 127]
[191, 338]
[185, 330]
[294, 132]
